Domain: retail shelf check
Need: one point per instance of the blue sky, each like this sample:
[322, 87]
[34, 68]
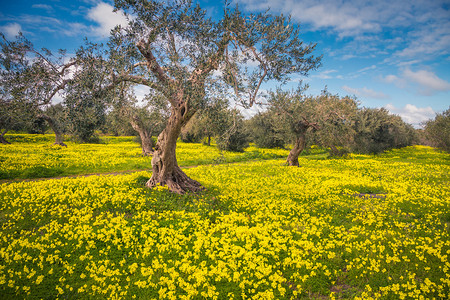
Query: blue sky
[392, 54]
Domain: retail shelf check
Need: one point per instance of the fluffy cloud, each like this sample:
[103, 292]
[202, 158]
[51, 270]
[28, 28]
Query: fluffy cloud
[365, 93]
[393, 79]
[11, 30]
[427, 82]
[103, 15]
[412, 114]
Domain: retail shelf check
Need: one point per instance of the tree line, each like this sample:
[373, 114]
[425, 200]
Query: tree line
[194, 67]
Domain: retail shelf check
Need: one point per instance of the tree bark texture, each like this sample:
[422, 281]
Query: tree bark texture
[2, 138]
[298, 148]
[59, 136]
[145, 135]
[164, 162]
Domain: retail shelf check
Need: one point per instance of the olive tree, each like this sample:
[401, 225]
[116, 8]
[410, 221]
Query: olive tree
[179, 52]
[30, 79]
[210, 121]
[234, 135]
[376, 130]
[438, 130]
[330, 116]
[264, 132]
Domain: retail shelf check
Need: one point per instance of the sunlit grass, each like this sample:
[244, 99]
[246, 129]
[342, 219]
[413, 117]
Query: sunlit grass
[34, 156]
[361, 227]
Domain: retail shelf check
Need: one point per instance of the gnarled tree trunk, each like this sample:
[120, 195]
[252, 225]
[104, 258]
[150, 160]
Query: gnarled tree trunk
[145, 135]
[164, 162]
[299, 146]
[2, 137]
[59, 136]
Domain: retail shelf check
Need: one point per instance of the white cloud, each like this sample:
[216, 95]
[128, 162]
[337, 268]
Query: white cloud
[325, 74]
[104, 16]
[372, 67]
[428, 80]
[74, 29]
[348, 56]
[365, 92]
[11, 30]
[347, 18]
[45, 24]
[425, 82]
[430, 40]
[412, 114]
[58, 98]
[393, 79]
[46, 7]
[419, 29]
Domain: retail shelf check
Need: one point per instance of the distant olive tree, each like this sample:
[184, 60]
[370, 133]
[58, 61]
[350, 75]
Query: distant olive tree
[210, 121]
[233, 136]
[376, 130]
[438, 130]
[330, 117]
[264, 132]
[30, 79]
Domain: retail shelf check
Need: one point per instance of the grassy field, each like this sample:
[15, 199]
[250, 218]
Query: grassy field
[356, 228]
[34, 156]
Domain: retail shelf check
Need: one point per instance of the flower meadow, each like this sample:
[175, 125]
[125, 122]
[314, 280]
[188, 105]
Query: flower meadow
[34, 156]
[363, 227]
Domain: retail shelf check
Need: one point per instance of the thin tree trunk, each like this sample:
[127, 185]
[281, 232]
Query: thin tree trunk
[209, 140]
[164, 162]
[299, 146]
[145, 135]
[2, 137]
[59, 136]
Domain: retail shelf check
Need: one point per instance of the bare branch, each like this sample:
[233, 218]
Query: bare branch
[253, 96]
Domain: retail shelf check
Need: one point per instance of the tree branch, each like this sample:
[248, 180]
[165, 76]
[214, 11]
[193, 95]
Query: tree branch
[212, 63]
[152, 64]
[132, 78]
[253, 96]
